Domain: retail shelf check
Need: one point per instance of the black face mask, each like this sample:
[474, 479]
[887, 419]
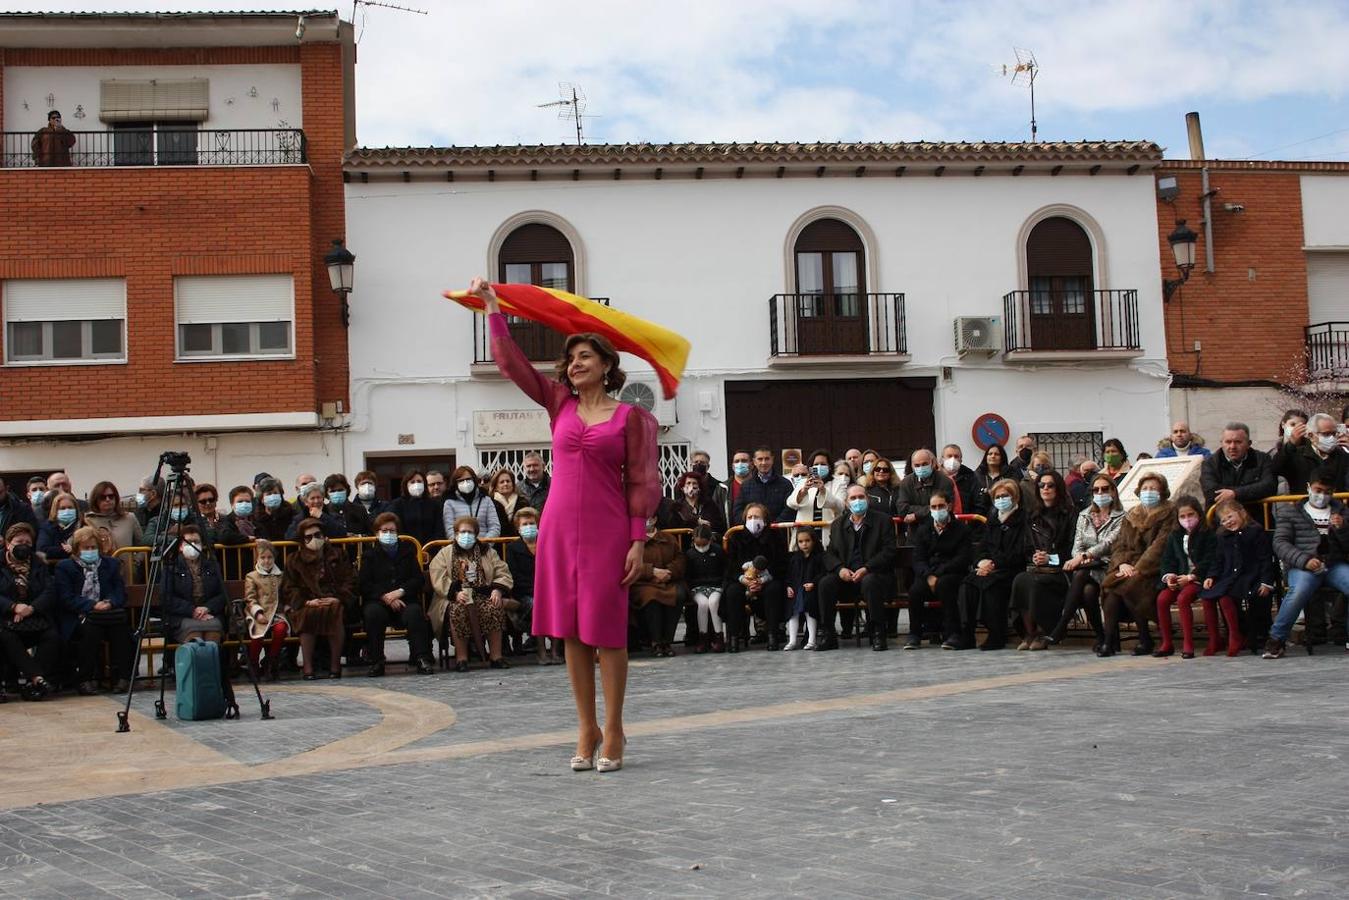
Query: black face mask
[700, 468]
[1024, 453]
[22, 552]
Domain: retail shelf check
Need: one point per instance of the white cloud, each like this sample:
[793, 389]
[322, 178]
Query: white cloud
[805, 70]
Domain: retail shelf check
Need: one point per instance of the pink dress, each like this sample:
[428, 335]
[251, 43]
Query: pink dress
[605, 485]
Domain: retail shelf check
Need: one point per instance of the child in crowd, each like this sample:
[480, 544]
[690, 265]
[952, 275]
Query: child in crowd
[1186, 561]
[705, 569]
[262, 603]
[805, 568]
[1243, 572]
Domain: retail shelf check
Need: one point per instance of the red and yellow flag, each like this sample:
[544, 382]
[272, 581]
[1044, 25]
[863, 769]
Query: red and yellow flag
[569, 314]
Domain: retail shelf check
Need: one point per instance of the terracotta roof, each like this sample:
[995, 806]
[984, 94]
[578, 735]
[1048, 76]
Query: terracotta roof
[1255, 165]
[133, 14]
[940, 152]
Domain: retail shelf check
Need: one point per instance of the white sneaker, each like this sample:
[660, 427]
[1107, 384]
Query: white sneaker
[812, 646]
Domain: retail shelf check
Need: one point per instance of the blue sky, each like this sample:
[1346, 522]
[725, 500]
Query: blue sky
[1263, 75]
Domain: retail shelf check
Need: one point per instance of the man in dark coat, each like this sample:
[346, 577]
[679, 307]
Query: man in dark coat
[767, 487]
[967, 485]
[942, 554]
[862, 545]
[1238, 472]
[13, 510]
[535, 485]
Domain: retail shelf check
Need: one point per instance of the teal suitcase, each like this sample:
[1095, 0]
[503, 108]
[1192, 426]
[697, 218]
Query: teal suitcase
[199, 693]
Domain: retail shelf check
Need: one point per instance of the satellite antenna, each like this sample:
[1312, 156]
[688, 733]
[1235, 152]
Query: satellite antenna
[1023, 72]
[572, 106]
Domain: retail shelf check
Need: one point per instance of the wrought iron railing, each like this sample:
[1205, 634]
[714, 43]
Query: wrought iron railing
[540, 344]
[836, 325]
[153, 147]
[1071, 320]
[1328, 351]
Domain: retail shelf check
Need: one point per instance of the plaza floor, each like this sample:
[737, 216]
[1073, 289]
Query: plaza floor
[846, 774]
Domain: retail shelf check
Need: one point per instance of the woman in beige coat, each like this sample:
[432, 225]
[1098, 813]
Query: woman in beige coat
[262, 604]
[470, 581]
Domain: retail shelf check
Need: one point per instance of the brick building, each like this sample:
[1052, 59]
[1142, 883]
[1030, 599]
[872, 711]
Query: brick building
[1268, 328]
[162, 282]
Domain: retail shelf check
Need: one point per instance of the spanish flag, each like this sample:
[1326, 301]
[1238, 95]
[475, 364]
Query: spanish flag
[666, 351]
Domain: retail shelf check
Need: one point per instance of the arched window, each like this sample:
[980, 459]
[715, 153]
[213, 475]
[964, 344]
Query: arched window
[830, 284]
[537, 254]
[1059, 275]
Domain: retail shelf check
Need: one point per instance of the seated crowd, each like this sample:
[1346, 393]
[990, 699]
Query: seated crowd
[834, 550]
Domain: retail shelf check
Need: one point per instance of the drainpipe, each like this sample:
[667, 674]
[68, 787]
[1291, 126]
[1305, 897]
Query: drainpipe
[1197, 152]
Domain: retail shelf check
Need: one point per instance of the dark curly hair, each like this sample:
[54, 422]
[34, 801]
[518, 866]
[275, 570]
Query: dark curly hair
[616, 377]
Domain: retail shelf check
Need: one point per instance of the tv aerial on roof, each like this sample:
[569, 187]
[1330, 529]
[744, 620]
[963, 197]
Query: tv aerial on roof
[571, 105]
[1023, 73]
[358, 4]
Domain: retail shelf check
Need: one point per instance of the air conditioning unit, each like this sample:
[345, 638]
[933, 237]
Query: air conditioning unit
[647, 395]
[978, 334]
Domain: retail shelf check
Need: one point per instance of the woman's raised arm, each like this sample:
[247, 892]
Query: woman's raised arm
[510, 359]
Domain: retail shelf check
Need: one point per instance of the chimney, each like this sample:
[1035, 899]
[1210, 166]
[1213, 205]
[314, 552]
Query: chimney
[1196, 135]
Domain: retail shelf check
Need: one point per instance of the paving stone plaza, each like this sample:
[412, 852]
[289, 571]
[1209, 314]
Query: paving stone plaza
[847, 774]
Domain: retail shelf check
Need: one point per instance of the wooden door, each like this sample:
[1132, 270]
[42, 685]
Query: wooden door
[1060, 310]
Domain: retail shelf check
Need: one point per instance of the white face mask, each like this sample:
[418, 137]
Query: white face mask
[366, 491]
[191, 551]
[1318, 499]
[951, 464]
[465, 485]
[416, 489]
[754, 526]
[1327, 442]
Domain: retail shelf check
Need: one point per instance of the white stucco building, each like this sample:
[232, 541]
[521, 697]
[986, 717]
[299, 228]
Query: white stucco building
[824, 289]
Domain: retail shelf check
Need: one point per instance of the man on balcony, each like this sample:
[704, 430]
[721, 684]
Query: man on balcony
[1182, 442]
[51, 145]
[1238, 472]
[766, 487]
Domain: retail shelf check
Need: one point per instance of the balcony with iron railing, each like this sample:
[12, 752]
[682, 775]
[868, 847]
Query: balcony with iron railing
[822, 329]
[153, 147]
[541, 345]
[1328, 352]
[1071, 325]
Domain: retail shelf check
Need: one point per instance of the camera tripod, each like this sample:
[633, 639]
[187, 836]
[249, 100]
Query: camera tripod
[165, 550]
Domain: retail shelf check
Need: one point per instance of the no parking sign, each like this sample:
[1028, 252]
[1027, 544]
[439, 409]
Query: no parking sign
[990, 429]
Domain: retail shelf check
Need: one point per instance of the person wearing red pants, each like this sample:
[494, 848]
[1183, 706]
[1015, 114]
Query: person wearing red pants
[266, 624]
[1186, 560]
[1243, 571]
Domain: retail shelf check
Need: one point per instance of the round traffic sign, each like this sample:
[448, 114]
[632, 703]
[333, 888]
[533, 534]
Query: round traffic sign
[990, 429]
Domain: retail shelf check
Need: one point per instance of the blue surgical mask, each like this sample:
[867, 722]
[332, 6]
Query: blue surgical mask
[741, 469]
[857, 505]
[866, 467]
[1003, 503]
[388, 538]
[1318, 499]
[923, 472]
[89, 557]
[941, 515]
[1102, 500]
[821, 471]
[529, 532]
[466, 539]
[1149, 497]
[67, 516]
[337, 498]
[178, 513]
[35, 497]
[798, 480]
[271, 501]
[243, 508]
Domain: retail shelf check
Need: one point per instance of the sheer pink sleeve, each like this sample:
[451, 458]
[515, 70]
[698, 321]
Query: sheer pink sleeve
[641, 476]
[511, 361]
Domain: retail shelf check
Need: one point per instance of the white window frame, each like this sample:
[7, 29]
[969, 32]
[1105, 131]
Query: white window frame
[181, 356]
[86, 334]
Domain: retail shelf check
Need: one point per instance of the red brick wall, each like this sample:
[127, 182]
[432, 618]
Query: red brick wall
[1250, 313]
[150, 224]
[147, 225]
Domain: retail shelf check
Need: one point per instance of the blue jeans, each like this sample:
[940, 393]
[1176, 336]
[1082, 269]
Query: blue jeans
[1301, 586]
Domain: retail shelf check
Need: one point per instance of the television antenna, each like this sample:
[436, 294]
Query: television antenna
[1023, 72]
[571, 105]
[358, 3]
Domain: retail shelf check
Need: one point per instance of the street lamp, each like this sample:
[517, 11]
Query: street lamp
[341, 264]
[1182, 242]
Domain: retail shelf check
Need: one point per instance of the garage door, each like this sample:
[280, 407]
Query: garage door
[892, 415]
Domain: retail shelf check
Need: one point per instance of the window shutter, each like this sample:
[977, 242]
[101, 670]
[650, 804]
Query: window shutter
[64, 300]
[828, 235]
[536, 242]
[206, 300]
[1327, 287]
[160, 101]
[1058, 247]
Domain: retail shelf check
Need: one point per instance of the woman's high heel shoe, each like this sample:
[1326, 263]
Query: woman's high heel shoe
[586, 763]
[605, 764]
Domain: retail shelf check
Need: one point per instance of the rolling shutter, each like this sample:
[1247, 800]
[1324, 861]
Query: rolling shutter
[1327, 287]
[158, 101]
[64, 300]
[1058, 247]
[207, 300]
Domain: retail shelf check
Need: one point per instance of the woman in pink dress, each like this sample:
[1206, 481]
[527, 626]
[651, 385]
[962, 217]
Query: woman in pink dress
[605, 486]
